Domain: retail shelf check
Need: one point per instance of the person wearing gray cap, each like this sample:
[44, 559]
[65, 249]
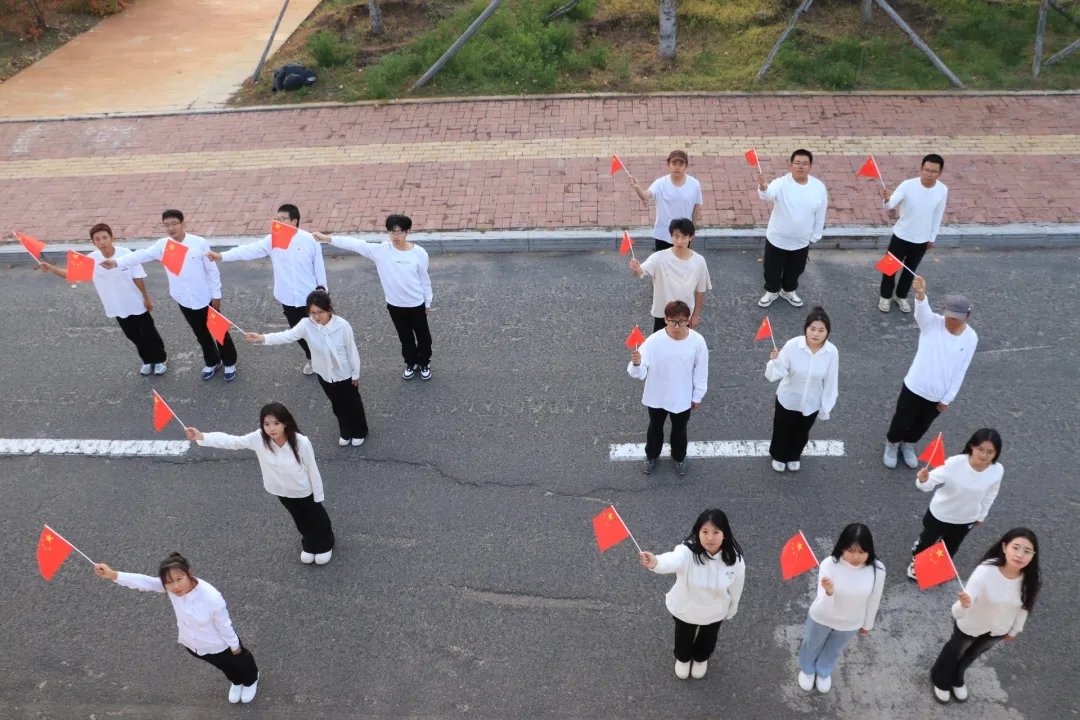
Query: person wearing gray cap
[946, 346]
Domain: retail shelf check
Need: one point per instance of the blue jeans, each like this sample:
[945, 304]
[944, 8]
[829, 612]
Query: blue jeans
[821, 648]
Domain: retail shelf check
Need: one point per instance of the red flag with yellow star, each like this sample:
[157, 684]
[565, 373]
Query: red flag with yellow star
[281, 235]
[796, 557]
[162, 413]
[933, 566]
[174, 256]
[52, 551]
[609, 528]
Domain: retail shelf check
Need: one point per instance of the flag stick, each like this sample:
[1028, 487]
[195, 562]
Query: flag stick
[956, 574]
[627, 529]
[772, 337]
[902, 264]
[72, 546]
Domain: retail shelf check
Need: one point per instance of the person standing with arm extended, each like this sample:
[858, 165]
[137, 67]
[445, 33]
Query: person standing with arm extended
[677, 274]
[677, 195]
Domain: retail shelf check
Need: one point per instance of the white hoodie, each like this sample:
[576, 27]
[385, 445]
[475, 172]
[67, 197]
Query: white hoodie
[703, 593]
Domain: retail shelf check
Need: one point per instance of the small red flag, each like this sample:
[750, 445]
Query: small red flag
[635, 339]
[80, 268]
[616, 165]
[933, 566]
[52, 551]
[217, 324]
[889, 265]
[34, 247]
[281, 235]
[162, 413]
[627, 243]
[934, 454]
[796, 557]
[764, 331]
[609, 528]
[174, 256]
[751, 157]
[869, 169]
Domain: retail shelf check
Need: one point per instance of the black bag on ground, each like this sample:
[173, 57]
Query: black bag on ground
[292, 77]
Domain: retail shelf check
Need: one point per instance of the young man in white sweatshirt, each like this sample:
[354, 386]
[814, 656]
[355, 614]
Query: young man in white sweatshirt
[797, 220]
[921, 203]
[675, 367]
[946, 345]
[677, 195]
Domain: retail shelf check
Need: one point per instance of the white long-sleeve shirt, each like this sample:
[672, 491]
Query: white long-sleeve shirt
[281, 474]
[798, 214]
[403, 273]
[808, 381]
[962, 495]
[942, 360]
[199, 281]
[702, 593]
[856, 595]
[334, 356]
[676, 372]
[996, 607]
[298, 269]
[119, 294]
[921, 210]
[202, 618]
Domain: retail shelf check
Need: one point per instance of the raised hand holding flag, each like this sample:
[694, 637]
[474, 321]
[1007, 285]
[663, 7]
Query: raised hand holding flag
[797, 557]
[616, 166]
[870, 169]
[934, 566]
[934, 454]
[80, 268]
[752, 158]
[635, 339]
[52, 551]
[281, 235]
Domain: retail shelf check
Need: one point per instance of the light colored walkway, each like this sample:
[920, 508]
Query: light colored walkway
[158, 55]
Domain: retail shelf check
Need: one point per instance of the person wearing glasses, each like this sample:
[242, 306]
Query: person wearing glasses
[335, 359]
[195, 288]
[993, 606]
[964, 488]
[675, 367]
[677, 273]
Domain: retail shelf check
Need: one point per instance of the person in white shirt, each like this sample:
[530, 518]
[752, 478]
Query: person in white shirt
[289, 472]
[797, 220]
[675, 367]
[298, 269]
[677, 195]
[197, 287]
[403, 272]
[808, 370]
[850, 582]
[921, 203]
[335, 359]
[946, 345]
[993, 606]
[678, 273]
[123, 294]
[202, 619]
[709, 576]
[964, 488]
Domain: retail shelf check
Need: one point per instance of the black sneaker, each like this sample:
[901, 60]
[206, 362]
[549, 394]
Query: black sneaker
[649, 466]
[425, 372]
[680, 467]
[410, 371]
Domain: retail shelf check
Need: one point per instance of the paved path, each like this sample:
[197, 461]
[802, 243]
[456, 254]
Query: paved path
[158, 55]
[530, 163]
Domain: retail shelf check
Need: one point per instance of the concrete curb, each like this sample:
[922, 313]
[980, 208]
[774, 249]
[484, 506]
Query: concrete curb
[1017, 236]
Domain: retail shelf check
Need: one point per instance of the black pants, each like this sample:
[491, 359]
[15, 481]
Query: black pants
[662, 245]
[240, 669]
[934, 530]
[348, 408]
[911, 254]
[956, 657]
[140, 329]
[783, 267]
[412, 329]
[654, 439]
[316, 534]
[212, 352]
[658, 324]
[790, 433]
[913, 416]
[694, 642]
[294, 315]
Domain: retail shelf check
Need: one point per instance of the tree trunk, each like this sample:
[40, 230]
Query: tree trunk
[376, 17]
[667, 28]
[867, 11]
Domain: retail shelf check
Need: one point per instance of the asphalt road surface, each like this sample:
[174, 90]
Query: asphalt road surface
[466, 580]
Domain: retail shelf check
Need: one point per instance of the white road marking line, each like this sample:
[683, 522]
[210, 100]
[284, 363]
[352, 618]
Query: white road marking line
[1019, 349]
[725, 448]
[96, 448]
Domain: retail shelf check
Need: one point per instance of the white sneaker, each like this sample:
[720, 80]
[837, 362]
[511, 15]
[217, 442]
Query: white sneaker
[698, 671]
[942, 696]
[682, 670]
[357, 442]
[908, 451]
[794, 466]
[806, 682]
[307, 558]
[160, 368]
[778, 466]
[792, 297]
[343, 442]
[323, 558]
[890, 454]
[884, 304]
[767, 299]
[308, 370]
[234, 693]
[823, 684]
[146, 369]
[911, 570]
[247, 694]
[960, 693]
[903, 304]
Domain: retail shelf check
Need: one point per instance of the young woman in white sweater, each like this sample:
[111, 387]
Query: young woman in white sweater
[202, 619]
[709, 574]
[850, 582]
[287, 462]
[807, 367]
[335, 359]
[993, 606]
[966, 487]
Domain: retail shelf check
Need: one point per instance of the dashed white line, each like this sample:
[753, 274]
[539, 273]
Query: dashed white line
[95, 448]
[725, 448]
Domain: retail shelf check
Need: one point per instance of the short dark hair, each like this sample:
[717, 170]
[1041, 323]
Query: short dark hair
[175, 214]
[294, 212]
[934, 158]
[683, 225]
[321, 300]
[730, 551]
[175, 561]
[402, 222]
[805, 153]
[100, 227]
[982, 435]
[676, 309]
[816, 315]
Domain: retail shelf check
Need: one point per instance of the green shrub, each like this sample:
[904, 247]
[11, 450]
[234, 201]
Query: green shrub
[328, 50]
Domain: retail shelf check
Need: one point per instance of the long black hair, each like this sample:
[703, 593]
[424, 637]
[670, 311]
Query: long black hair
[857, 534]
[1029, 586]
[730, 551]
[285, 418]
[982, 435]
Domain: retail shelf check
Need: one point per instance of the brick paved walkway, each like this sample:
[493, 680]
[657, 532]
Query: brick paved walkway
[529, 163]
